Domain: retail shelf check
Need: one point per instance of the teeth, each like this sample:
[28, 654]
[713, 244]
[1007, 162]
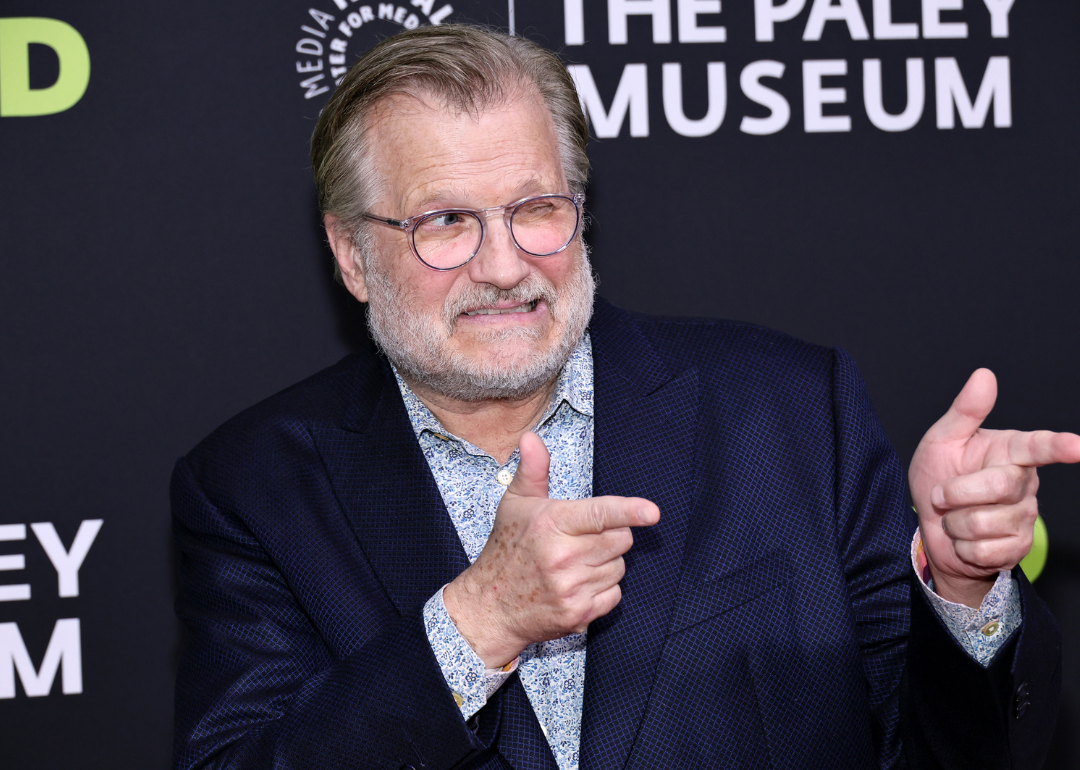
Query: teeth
[528, 307]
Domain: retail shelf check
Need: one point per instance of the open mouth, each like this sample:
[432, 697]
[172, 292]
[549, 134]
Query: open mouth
[526, 307]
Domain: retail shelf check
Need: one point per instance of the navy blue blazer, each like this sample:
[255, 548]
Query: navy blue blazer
[770, 620]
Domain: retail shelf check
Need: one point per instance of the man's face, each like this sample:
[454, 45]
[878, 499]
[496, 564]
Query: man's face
[427, 157]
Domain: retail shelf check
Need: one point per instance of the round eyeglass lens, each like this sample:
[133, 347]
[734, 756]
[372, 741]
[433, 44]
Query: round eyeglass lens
[448, 239]
[545, 225]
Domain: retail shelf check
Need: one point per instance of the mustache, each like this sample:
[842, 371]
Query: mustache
[532, 288]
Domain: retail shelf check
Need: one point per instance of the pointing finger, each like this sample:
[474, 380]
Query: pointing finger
[1043, 447]
[597, 514]
[968, 410]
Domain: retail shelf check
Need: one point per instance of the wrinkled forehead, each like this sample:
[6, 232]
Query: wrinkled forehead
[424, 148]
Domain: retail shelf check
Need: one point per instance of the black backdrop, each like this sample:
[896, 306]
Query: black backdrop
[162, 268]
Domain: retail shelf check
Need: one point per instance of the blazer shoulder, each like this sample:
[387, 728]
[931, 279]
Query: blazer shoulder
[343, 393]
[737, 352]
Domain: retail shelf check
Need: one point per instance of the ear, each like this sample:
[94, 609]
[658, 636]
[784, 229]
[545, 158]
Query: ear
[350, 261]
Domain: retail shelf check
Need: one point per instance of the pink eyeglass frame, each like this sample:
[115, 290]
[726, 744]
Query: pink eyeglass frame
[409, 225]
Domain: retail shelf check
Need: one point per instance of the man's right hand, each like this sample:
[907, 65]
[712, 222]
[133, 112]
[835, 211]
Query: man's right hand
[550, 567]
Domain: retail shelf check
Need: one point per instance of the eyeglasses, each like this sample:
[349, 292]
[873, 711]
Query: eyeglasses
[540, 225]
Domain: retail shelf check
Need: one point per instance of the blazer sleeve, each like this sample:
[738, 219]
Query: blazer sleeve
[934, 707]
[957, 714]
[258, 687]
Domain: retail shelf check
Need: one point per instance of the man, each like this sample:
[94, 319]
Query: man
[407, 560]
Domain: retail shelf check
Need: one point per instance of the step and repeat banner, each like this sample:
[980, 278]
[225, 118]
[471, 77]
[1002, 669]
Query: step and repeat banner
[897, 177]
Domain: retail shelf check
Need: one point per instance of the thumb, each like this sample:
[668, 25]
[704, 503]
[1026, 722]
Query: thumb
[531, 479]
[968, 410]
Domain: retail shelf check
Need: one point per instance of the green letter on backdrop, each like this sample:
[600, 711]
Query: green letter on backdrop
[16, 95]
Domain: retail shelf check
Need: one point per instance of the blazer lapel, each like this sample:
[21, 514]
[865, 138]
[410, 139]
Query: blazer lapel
[521, 742]
[391, 499]
[645, 432]
[393, 503]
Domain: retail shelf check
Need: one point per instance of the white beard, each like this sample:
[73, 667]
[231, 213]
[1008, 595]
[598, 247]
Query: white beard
[416, 339]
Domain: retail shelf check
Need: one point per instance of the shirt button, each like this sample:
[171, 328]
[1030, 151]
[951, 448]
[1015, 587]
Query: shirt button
[504, 477]
[458, 699]
[991, 628]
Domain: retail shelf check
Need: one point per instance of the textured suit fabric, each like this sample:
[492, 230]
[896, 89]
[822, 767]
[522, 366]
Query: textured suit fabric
[768, 621]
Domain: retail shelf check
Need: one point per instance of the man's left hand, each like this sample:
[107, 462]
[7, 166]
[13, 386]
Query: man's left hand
[974, 490]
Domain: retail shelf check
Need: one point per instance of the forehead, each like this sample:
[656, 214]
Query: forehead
[428, 154]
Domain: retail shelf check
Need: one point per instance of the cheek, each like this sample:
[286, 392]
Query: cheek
[430, 289]
[423, 289]
[561, 267]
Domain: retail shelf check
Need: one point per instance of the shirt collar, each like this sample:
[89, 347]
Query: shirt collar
[574, 387]
[575, 383]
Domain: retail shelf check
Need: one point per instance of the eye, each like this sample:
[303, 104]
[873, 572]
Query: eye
[532, 211]
[449, 219]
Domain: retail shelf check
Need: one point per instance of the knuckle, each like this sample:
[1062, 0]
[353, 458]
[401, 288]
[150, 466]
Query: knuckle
[970, 552]
[985, 525]
[1002, 484]
[956, 488]
[578, 618]
[562, 586]
[582, 625]
[554, 560]
[595, 515]
[569, 622]
[979, 525]
[1024, 545]
[983, 553]
[1017, 474]
[605, 603]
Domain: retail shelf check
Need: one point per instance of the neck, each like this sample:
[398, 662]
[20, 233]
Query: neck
[494, 425]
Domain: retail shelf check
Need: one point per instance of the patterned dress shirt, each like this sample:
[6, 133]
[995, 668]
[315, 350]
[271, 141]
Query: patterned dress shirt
[552, 673]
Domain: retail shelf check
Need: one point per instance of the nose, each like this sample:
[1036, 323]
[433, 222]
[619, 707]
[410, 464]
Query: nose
[499, 261]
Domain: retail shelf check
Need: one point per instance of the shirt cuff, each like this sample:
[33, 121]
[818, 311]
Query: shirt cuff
[464, 672]
[981, 632]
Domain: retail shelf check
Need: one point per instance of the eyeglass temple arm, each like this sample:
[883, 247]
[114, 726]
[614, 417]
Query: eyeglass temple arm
[398, 223]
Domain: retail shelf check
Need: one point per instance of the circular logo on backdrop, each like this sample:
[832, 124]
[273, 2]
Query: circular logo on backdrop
[336, 34]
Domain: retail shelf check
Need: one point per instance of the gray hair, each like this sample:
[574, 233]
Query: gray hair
[470, 69]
